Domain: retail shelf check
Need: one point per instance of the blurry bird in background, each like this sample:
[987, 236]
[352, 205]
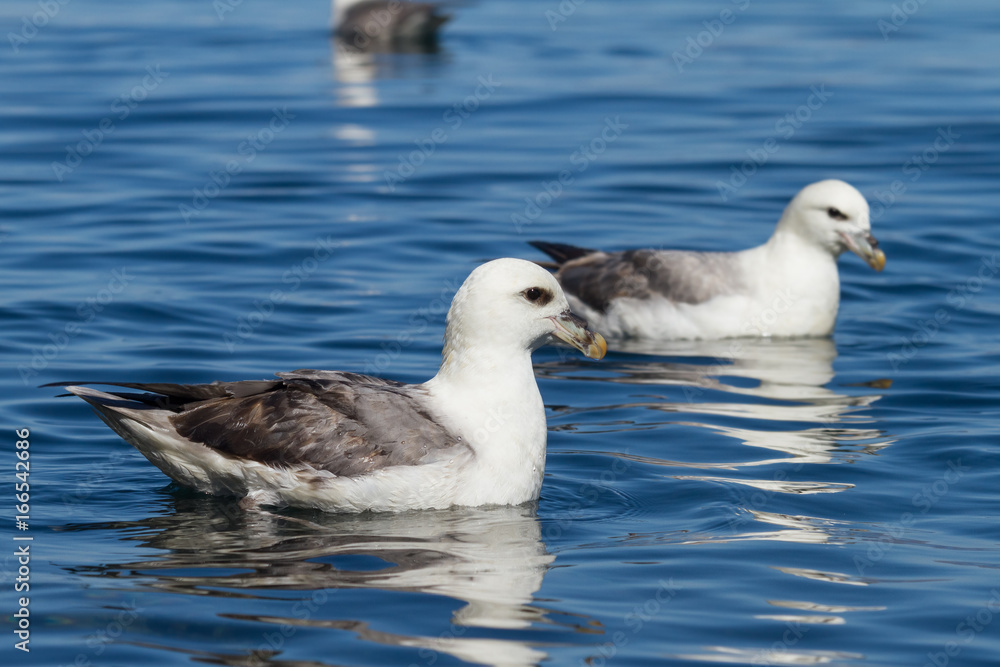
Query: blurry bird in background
[387, 25]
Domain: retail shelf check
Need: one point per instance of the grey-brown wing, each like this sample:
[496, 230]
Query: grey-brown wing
[677, 275]
[342, 423]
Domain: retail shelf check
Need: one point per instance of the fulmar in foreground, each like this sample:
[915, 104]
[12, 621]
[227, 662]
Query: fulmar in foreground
[472, 435]
[787, 287]
[387, 25]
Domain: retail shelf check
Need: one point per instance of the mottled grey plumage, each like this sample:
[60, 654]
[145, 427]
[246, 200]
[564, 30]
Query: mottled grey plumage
[597, 278]
[343, 423]
[384, 23]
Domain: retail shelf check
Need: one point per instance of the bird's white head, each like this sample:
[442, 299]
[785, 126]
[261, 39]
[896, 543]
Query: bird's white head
[835, 216]
[512, 304]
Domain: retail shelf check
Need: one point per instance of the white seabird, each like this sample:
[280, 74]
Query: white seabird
[472, 435]
[788, 286]
[385, 25]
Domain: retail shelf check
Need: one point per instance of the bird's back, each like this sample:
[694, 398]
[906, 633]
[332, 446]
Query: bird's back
[342, 423]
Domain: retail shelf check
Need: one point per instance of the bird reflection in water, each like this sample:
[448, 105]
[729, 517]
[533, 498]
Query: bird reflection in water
[771, 380]
[492, 560]
[391, 40]
[775, 395]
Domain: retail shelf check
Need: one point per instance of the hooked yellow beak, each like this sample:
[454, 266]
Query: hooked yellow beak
[864, 245]
[573, 330]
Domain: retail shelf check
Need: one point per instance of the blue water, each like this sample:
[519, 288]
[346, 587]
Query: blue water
[191, 193]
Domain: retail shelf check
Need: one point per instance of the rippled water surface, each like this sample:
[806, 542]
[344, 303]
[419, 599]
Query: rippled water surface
[195, 191]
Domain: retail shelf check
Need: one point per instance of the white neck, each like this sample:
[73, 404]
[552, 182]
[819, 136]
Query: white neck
[786, 252]
[493, 402]
[796, 285]
[493, 386]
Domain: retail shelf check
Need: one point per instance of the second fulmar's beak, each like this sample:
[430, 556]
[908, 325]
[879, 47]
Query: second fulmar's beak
[864, 245]
[573, 330]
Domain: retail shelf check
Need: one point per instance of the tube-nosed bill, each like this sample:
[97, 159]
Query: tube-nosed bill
[573, 330]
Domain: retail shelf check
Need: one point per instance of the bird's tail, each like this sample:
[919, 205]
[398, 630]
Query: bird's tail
[561, 252]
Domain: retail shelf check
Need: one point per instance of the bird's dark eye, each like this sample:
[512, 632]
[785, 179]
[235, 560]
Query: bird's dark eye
[836, 213]
[537, 295]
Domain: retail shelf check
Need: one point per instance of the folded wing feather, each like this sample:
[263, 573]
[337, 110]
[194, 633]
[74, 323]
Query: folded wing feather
[342, 423]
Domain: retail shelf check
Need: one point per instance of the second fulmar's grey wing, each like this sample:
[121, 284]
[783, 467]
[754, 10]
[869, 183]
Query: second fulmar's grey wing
[676, 275]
